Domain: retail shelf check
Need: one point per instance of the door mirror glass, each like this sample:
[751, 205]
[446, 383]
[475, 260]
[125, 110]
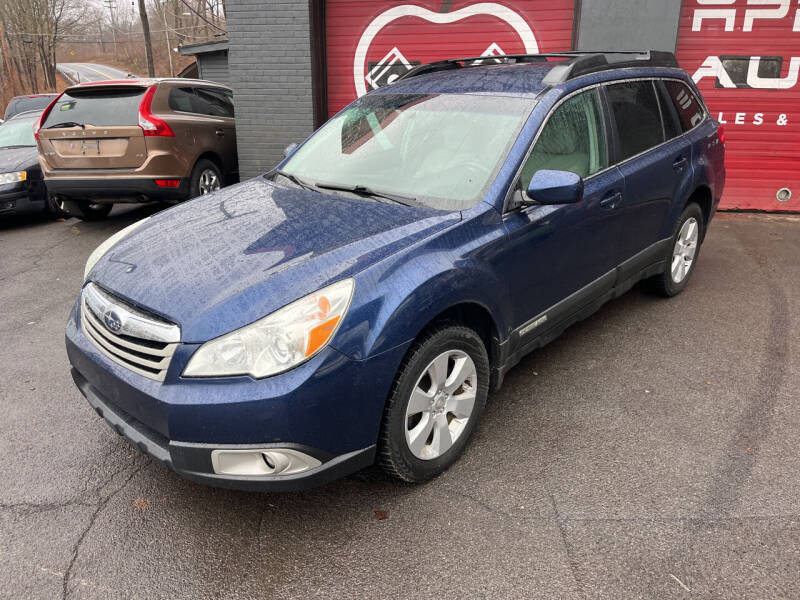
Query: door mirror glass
[289, 150]
[555, 187]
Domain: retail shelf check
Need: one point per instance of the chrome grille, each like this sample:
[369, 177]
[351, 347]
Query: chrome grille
[130, 337]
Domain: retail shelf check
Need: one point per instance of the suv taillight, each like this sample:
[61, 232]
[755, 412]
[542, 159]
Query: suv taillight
[151, 124]
[721, 133]
[38, 125]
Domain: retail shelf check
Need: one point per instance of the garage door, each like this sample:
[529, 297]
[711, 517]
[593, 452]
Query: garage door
[372, 42]
[745, 57]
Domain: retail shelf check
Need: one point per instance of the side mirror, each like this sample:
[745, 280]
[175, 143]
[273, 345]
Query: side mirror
[555, 187]
[290, 149]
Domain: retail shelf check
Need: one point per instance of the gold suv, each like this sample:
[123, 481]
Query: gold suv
[137, 140]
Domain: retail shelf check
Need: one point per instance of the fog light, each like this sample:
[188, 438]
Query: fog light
[262, 462]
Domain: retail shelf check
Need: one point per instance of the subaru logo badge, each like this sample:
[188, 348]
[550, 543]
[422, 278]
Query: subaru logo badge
[112, 321]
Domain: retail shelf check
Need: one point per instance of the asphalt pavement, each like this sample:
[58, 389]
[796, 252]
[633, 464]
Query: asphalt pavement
[650, 452]
[85, 72]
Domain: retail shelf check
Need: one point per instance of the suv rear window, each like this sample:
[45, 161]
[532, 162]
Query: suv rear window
[638, 117]
[18, 105]
[102, 108]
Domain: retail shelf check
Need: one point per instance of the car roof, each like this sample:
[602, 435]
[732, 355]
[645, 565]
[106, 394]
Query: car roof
[531, 74]
[26, 114]
[524, 79]
[143, 82]
[42, 95]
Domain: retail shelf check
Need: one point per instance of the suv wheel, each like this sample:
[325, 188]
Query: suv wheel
[85, 210]
[435, 403]
[683, 254]
[54, 206]
[206, 178]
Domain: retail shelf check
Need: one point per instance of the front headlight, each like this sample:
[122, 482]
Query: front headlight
[106, 246]
[13, 177]
[279, 342]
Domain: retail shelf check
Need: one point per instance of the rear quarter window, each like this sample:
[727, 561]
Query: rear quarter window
[101, 108]
[690, 111]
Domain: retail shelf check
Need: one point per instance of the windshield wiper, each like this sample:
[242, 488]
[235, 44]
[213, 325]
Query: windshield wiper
[296, 180]
[67, 124]
[364, 190]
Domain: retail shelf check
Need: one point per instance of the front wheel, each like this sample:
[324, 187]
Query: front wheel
[436, 401]
[684, 251]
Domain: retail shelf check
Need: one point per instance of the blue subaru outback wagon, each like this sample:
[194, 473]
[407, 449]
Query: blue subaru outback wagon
[357, 304]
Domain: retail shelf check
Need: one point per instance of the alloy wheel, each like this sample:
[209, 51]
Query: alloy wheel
[441, 404]
[209, 182]
[685, 249]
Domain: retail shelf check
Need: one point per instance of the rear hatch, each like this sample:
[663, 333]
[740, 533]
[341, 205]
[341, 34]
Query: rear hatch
[95, 128]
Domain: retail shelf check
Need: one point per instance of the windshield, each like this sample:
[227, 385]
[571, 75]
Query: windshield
[18, 132]
[99, 107]
[441, 149]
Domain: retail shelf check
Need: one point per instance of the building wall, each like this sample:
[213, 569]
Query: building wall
[213, 66]
[270, 71]
[628, 25]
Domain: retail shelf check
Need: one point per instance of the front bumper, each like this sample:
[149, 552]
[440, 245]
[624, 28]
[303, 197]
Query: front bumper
[329, 408]
[117, 189]
[19, 198]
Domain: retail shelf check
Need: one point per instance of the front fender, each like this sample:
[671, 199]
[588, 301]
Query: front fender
[408, 290]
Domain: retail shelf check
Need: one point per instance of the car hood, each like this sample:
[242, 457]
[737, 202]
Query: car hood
[224, 260]
[17, 159]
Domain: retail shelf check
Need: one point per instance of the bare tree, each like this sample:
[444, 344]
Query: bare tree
[33, 29]
[148, 44]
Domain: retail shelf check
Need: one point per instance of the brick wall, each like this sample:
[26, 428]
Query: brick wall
[270, 72]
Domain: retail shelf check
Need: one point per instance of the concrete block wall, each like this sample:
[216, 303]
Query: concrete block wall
[270, 72]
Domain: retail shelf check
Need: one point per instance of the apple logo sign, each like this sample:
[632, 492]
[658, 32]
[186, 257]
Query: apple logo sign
[386, 70]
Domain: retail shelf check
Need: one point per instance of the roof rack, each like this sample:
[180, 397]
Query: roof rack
[577, 63]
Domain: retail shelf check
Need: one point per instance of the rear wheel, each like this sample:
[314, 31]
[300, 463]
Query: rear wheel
[85, 210]
[436, 401]
[206, 178]
[683, 253]
[55, 207]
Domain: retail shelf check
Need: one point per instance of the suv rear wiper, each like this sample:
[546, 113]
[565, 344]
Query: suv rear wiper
[66, 124]
[362, 189]
[296, 180]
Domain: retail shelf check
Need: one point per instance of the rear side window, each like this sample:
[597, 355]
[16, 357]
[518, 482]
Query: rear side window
[636, 112]
[201, 101]
[182, 99]
[214, 102]
[101, 108]
[690, 111]
[573, 139]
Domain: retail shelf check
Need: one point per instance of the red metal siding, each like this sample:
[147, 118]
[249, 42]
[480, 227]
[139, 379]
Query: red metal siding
[371, 41]
[762, 122]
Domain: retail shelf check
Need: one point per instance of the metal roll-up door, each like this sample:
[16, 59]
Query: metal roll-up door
[745, 58]
[369, 43]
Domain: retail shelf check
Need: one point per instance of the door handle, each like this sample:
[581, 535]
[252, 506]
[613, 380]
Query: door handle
[611, 200]
[680, 163]
[220, 132]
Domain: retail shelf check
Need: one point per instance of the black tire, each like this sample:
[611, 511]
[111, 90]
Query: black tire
[52, 207]
[202, 166]
[663, 284]
[394, 454]
[86, 210]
